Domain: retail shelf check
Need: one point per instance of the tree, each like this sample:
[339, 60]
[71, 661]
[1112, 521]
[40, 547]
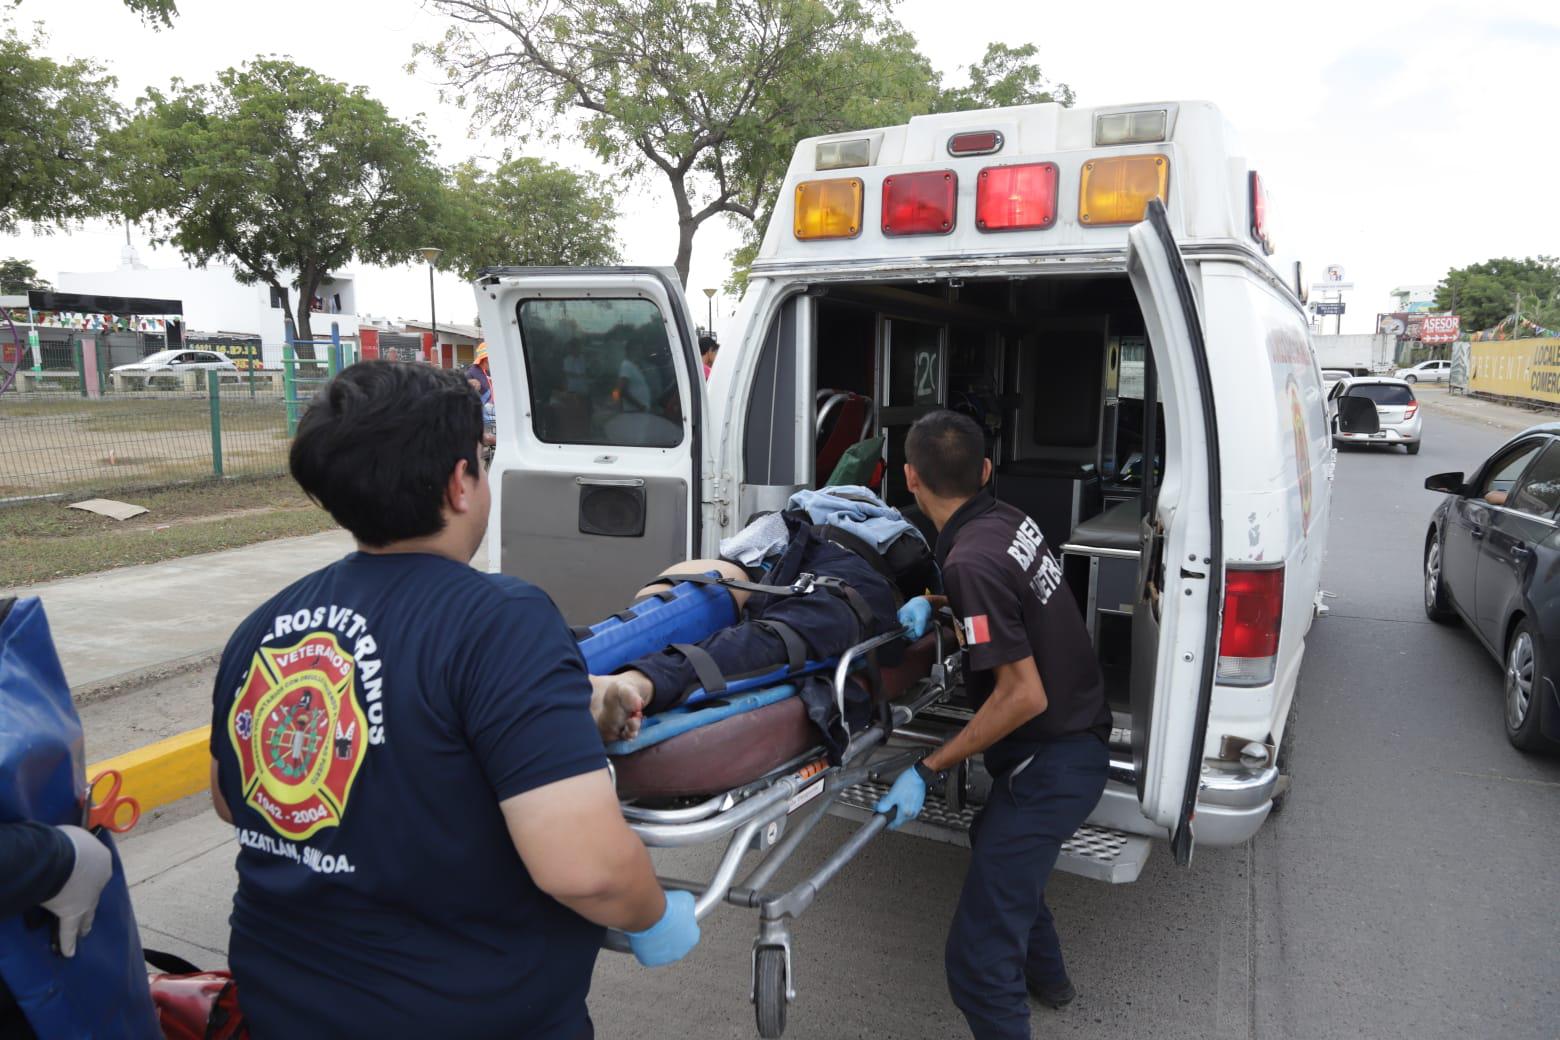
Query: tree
[284, 173]
[1483, 295]
[17, 276]
[1005, 76]
[54, 119]
[530, 213]
[712, 96]
[156, 13]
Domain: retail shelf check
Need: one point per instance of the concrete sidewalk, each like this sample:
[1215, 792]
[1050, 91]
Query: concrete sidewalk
[119, 626]
[1487, 413]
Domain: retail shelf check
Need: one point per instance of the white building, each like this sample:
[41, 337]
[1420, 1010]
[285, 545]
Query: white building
[216, 302]
[1412, 299]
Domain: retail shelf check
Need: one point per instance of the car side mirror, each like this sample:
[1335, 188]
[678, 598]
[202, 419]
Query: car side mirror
[1446, 483]
[1357, 415]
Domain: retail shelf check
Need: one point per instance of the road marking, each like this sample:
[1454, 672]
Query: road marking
[1508, 779]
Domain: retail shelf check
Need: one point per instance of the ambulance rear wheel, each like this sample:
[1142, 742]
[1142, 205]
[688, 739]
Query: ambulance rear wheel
[769, 985]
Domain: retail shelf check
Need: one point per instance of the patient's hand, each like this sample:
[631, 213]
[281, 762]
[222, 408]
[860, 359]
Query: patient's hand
[617, 703]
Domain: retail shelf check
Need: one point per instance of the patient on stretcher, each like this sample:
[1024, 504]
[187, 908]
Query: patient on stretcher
[739, 635]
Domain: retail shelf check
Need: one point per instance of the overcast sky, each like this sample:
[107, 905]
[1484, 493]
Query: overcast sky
[1399, 139]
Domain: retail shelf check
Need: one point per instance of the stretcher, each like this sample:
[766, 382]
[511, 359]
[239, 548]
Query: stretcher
[754, 774]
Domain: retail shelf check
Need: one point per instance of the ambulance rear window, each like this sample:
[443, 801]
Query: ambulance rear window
[601, 372]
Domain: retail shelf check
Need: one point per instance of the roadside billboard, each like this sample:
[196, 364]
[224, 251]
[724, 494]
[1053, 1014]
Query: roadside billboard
[1527, 368]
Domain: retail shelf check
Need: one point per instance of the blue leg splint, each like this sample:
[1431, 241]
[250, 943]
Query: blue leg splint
[685, 613]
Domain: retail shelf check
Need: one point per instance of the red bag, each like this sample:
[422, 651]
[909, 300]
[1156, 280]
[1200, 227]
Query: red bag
[193, 1004]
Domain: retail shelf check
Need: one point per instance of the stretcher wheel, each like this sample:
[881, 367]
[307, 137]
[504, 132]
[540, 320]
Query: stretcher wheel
[769, 984]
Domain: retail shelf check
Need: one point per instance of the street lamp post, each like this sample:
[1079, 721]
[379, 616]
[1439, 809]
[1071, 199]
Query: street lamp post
[430, 254]
[709, 295]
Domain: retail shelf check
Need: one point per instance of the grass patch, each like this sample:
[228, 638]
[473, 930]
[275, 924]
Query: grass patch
[46, 540]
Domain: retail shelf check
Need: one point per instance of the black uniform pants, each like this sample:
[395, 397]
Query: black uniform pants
[1002, 929]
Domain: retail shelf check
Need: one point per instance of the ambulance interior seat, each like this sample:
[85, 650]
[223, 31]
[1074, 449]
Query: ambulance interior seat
[845, 418]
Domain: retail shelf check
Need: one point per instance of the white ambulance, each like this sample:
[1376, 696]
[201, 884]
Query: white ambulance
[1095, 287]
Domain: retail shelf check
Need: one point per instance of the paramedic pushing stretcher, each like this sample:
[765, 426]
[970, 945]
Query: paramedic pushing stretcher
[429, 841]
[1041, 720]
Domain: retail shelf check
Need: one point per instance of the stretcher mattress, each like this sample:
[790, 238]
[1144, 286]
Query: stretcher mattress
[734, 741]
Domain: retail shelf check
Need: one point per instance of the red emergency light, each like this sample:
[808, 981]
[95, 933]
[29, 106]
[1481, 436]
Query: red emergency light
[1016, 198]
[920, 203]
[975, 142]
[1259, 206]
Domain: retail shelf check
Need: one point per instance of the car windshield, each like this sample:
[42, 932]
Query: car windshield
[1382, 393]
[162, 357]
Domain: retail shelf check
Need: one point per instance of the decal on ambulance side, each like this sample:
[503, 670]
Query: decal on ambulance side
[1302, 453]
[300, 734]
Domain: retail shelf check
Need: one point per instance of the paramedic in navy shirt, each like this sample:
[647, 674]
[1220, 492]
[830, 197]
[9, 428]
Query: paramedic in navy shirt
[430, 844]
[1040, 718]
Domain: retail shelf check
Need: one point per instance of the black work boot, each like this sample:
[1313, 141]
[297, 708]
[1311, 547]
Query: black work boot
[1054, 995]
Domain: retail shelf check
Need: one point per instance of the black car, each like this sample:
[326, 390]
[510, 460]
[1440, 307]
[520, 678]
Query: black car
[1492, 556]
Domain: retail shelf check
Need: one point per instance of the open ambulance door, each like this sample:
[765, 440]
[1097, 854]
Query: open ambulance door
[600, 404]
[1175, 621]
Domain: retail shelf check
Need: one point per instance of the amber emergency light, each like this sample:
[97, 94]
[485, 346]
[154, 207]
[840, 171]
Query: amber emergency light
[828, 209]
[1116, 190]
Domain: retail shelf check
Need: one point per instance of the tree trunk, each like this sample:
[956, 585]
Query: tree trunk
[299, 322]
[686, 227]
[308, 284]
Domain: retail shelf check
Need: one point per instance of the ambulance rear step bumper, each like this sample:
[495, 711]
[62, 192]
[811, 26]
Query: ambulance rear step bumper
[1093, 852]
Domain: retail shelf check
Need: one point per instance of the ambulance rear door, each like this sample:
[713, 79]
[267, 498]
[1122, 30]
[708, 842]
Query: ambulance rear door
[1175, 620]
[600, 403]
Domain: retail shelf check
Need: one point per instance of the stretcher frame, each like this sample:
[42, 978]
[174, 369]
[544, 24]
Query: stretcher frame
[757, 816]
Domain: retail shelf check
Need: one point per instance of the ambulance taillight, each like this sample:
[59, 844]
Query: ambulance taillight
[828, 209]
[1015, 198]
[1117, 190]
[975, 142]
[1253, 620]
[920, 203]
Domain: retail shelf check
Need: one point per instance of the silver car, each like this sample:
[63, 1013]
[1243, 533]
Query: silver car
[1426, 372]
[1397, 413]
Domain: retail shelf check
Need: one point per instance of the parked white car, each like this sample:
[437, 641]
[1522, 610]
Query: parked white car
[1425, 372]
[172, 362]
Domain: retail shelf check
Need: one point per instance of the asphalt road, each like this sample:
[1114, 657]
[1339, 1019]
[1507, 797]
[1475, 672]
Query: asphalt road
[1410, 888]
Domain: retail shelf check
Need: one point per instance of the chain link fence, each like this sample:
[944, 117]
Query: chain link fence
[57, 440]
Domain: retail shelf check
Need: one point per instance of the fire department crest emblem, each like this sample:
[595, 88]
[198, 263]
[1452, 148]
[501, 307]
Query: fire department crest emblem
[299, 734]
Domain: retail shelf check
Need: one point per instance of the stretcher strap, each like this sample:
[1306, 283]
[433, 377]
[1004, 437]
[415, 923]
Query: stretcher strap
[805, 584]
[711, 678]
[795, 646]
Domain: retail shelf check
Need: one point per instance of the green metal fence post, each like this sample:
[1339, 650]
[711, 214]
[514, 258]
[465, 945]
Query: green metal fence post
[254, 363]
[290, 386]
[213, 391]
[79, 357]
[335, 349]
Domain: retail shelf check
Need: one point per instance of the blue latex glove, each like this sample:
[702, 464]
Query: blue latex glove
[907, 795]
[916, 615]
[670, 938]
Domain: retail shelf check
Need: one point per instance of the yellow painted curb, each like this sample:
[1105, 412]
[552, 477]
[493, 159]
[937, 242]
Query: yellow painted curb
[163, 772]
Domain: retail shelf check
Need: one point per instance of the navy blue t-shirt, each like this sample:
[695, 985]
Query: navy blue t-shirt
[367, 722]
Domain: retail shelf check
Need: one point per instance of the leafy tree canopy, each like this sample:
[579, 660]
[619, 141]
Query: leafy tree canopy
[285, 174]
[55, 117]
[17, 276]
[1485, 294]
[531, 213]
[710, 96]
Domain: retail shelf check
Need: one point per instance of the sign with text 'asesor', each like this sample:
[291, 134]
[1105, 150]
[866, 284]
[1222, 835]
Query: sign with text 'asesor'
[1516, 368]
